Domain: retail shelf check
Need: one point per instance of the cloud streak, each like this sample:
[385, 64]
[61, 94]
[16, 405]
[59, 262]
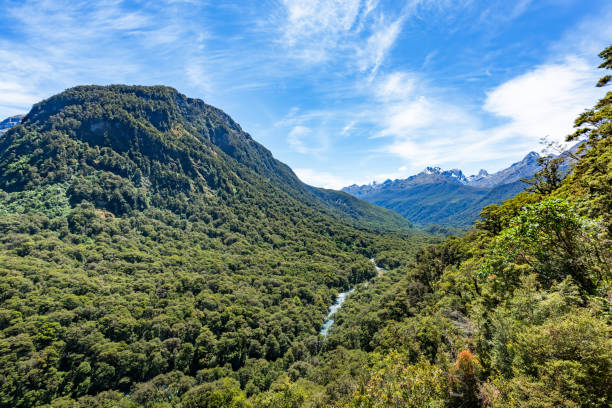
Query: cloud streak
[358, 31]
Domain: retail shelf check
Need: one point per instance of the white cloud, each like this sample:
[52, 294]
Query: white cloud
[197, 75]
[306, 141]
[307, 19]
[520, 7]
[379, 44]
[403, 118]
[356, 31]
[347, 128]
[18, 79]
[427, 130]
[15, 98]
[322, 178]
[544, 101]
[395, 86]
[314, 27]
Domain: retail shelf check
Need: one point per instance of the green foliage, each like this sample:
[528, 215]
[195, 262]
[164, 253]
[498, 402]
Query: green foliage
[494, 218]
[552, 240]
[223, 393]
[394, 383]
[50, 201]
[569, 358]
[287, 394]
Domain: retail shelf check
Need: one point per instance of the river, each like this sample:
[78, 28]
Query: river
[327, 324]
[333, 309]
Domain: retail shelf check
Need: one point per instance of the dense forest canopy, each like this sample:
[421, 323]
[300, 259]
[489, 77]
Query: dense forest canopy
[154, 255]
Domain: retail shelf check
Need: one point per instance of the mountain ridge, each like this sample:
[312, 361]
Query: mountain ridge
[447, 197]
[516, 171]
[165, 127]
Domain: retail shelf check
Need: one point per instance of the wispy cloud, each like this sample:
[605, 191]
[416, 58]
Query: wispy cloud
[357, 31]
[322, 178]
[60, 43]
[307, 141]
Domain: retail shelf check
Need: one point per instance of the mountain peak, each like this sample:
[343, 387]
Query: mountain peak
[452, 174]
[521, 169]
[457, 175]
[530, 158]
[9, 122]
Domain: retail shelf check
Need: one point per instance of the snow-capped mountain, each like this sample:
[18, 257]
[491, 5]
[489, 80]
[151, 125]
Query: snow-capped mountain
[436, 196]
[9, 122]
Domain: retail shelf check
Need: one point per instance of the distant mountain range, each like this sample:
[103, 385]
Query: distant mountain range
[9, 122]
[447, 197]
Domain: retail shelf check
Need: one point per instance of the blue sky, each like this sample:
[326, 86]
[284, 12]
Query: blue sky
[344, 91]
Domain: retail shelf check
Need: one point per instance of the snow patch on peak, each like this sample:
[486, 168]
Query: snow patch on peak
[432, 170]
[457, 175]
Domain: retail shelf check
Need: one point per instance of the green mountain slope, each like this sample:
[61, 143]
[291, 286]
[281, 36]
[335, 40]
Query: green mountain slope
[147, 144]
[362, 213]
[149, 247]
[437, 203]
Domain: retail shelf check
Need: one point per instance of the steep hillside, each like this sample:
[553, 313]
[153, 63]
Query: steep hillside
[363, 213]
[149, 247]
[150, 144]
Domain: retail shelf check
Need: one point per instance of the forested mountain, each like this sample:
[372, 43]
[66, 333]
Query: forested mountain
[448, 198]
[150, 144]
[149, 247]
